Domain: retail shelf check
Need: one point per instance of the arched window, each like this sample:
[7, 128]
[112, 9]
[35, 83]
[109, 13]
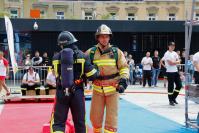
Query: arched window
[152, 13]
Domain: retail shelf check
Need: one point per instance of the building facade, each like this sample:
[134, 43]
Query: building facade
[99, 10]
[144, 25]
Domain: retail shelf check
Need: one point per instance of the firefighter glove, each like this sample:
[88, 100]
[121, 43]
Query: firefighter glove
[122, 85]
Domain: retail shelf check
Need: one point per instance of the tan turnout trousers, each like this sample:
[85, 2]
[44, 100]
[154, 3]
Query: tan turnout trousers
[104, 105]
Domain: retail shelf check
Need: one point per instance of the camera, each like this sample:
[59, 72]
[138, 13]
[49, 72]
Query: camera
[35, 26]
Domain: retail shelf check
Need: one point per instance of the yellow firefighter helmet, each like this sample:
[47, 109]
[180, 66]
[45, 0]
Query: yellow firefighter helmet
[103, 30]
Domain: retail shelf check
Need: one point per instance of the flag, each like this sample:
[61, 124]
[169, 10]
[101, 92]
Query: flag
[10, 38]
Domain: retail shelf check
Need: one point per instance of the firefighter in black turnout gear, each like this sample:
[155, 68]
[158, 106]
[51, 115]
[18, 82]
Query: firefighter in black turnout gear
[72, 66]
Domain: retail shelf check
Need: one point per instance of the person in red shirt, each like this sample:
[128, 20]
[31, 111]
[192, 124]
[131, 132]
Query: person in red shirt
[4, 70]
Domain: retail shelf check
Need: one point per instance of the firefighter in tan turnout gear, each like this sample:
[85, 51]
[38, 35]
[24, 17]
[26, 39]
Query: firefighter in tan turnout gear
[114, 73]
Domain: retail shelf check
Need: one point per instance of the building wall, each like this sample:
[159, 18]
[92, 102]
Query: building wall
[1, 6]
[102, 9]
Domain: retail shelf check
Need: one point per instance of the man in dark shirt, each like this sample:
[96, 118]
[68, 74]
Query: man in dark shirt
[156, 68]
[182, 67]
[183, 57]
[37, 60]
[45, 61]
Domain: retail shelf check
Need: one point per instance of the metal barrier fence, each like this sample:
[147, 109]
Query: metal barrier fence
[14, 81]
[192, 94]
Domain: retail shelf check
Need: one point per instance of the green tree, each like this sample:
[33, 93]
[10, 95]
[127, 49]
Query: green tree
[105, 17]
[2, 13]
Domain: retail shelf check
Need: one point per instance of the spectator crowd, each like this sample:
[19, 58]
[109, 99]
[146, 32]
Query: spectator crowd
[146, 72]
[150, 69]
[38, 74]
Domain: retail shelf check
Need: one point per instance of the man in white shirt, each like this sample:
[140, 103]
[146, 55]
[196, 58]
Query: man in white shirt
[196, 67]
[147, 67]
[171, 60]
[50, 81]
[31, 81]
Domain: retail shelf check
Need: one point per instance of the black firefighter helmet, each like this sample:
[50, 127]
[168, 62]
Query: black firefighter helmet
[66, 38]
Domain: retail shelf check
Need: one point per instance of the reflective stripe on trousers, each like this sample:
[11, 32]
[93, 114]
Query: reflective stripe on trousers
[106, 89]
[97, 130]
[98, 105]
[51, 125]
[109, 131]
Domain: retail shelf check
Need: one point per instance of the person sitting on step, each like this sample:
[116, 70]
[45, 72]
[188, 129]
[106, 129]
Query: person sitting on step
[50, 81]
[30, 81]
